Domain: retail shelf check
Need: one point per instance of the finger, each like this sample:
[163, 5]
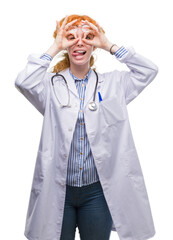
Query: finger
[85, 34]
[75, 34]
[69, 24]
[99, 28]
[67, 34]
[64, 22]
[57, 25]
[91, 25]
[89, 35]
[88, 42]
[91, 32]
[73, 42]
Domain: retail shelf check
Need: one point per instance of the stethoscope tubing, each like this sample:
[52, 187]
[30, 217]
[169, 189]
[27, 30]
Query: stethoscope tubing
[68, 104]
[56, 75]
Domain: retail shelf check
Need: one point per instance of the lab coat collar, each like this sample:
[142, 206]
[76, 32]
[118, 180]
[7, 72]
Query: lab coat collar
[86, 77]
[90, 85]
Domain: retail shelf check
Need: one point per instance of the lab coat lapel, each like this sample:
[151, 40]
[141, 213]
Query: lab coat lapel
[89, 94]
[70, 82]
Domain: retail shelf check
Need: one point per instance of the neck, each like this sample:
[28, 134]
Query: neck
[79, 71]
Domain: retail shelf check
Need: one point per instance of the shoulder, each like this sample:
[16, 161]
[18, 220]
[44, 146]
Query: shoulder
[111, 76]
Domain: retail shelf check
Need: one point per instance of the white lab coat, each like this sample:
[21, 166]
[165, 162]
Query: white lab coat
[111, 142]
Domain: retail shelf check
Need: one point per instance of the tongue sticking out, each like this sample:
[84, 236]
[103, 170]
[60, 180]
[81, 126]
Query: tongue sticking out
[78, 53]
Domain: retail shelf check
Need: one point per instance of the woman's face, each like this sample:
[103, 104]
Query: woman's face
[80, 53]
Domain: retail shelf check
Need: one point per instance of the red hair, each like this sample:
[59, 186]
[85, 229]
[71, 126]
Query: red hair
[79, 18]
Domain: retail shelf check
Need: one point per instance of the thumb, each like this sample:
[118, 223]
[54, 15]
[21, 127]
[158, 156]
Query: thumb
[89, 42]
[73, 42]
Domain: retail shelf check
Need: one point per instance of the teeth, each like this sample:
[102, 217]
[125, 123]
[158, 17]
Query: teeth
[80, 51]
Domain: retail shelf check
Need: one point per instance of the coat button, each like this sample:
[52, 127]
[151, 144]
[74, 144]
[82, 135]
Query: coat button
[70, 129]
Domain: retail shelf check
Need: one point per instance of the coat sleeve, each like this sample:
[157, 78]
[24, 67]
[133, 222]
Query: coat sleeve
[32, 81]
[142, 72]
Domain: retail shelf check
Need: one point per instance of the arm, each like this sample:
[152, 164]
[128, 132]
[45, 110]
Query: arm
[32, 81]
[142, 72]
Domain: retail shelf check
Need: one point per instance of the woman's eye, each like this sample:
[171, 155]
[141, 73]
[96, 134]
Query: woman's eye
[70, 37]
[90, 36]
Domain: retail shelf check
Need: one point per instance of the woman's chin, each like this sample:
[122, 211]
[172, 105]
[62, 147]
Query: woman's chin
[79, 60]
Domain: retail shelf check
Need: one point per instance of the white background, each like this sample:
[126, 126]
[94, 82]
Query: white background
[27, 27]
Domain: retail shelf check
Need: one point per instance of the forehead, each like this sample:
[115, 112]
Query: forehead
[78, 28]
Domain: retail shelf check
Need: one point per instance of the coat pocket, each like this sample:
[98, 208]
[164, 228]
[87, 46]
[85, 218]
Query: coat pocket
[112, 111]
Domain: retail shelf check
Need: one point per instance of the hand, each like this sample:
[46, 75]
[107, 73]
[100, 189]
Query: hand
[62, 32]
[99, 40]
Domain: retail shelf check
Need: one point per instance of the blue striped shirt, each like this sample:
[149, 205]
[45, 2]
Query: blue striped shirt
[81, 168]
[120, 52]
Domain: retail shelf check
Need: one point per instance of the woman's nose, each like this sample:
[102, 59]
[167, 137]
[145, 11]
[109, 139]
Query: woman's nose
[80, 42]
[80, 36]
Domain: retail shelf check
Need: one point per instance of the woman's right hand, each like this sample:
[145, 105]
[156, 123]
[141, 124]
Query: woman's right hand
[61, 40]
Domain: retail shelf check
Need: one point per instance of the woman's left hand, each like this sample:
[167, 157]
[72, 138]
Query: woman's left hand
[99, 40]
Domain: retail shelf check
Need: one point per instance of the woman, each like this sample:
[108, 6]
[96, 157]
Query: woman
[87, 171]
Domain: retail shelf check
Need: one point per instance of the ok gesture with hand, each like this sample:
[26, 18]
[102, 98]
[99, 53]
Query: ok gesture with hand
[99, 40]
[62, 32]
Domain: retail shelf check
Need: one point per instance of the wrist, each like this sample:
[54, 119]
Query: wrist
[113, 49]
[109, 46]
[53, 50]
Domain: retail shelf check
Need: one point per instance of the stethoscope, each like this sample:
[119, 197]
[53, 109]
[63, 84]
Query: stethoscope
[92, 105]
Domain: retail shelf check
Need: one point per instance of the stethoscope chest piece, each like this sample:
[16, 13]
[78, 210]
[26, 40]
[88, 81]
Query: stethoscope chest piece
[92, 106]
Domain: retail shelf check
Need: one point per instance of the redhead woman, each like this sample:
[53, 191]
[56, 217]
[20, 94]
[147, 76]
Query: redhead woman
[87, 172]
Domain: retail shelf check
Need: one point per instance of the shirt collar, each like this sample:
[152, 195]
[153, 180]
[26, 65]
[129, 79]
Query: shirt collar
[86, 77]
